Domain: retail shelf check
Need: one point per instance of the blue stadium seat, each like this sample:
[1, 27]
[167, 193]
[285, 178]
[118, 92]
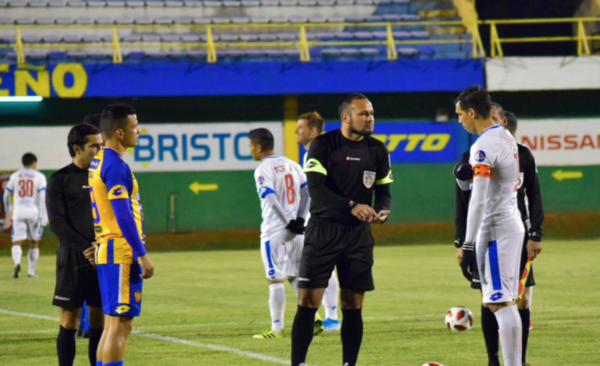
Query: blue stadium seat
[84, 20]
[407, 52]
[51, 38]
[38, 3]
[44, 20]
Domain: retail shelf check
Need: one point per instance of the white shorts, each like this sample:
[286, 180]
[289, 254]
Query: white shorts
[499, 262]
[31, 229]
[281, 258]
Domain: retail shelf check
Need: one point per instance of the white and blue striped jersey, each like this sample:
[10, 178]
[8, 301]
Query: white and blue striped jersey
[28, 187]
[282, 177]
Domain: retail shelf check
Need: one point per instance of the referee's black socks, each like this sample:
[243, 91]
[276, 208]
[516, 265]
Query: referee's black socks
[525, 319]
[302, 333]
[95, 335]
[65, 346]
[489, 325]
[352, 333]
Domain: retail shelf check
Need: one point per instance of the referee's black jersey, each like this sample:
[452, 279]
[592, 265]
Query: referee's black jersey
[70, 213]
[529, 186]
[342, 173]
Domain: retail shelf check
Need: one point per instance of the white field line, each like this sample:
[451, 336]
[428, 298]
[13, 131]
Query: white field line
[171, 339]
[214, 347]
[286, 322]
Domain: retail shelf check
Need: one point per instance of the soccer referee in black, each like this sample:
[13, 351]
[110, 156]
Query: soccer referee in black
[344, 167]
[529, 201]
[70, 214]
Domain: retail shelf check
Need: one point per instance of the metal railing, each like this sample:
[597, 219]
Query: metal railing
[303, 44]
[582, 39]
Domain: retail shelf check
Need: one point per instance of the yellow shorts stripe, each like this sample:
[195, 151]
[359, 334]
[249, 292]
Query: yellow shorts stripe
[124, 274]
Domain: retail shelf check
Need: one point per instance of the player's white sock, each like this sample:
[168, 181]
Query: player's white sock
[294, 284]
[17, 253]
[330, 298]
[277, 306]
[509, 327]
[33, 255]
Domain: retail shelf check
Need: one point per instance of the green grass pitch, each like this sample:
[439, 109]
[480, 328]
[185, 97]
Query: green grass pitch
[201, 308]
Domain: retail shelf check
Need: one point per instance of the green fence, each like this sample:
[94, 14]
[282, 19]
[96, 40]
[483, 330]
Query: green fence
[421, 193]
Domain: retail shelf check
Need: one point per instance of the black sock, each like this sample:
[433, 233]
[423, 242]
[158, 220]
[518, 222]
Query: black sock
[489, 324]
[525, 318]
[302, 333]
[95, 335]
[65, 345]
[352, 333]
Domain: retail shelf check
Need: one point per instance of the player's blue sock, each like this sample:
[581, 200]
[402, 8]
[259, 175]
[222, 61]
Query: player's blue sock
[116, 363]
[99, 363]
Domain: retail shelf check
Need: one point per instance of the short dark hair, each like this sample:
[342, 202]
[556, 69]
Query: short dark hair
[28, 159]
[262, 137]
[314, 120]
[499, 108]
[114, 117]
[78, 135]
[92, 119]
[477, 98]
[347, 101]
[511, 123]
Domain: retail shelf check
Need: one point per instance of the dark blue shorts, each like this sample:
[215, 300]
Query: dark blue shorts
[121, 287]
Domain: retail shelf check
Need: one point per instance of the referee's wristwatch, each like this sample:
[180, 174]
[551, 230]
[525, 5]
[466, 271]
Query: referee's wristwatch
[535, 236]
[458, 243]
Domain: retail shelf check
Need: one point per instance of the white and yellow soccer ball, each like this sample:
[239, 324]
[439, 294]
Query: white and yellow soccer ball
[432, 364]
[459, 319]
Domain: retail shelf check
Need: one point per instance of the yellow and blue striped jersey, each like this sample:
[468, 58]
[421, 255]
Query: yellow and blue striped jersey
[116, 208]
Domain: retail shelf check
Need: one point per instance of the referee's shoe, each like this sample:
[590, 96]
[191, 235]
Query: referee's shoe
[16, 271]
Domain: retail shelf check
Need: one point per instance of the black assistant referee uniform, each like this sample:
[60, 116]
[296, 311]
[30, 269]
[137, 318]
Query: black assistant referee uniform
[70, 215]
[341, 174]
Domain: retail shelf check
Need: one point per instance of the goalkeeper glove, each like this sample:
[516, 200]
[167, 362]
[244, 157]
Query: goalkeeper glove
[296, 226]
[466, 263]
[463, 171]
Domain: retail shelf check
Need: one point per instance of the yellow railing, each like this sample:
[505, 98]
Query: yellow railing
[211, 45]
[304, 45]
[582, 39]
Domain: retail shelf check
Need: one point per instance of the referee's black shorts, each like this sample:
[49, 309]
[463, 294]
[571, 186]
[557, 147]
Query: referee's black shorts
[76, 281]
[328, 245]
[530, 279]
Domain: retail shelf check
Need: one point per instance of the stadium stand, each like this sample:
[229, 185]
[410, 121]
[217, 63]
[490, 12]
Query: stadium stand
[253, 31]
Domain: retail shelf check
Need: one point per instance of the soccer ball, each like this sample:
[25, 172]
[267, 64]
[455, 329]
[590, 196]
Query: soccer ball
[459, 319]
[432, 364]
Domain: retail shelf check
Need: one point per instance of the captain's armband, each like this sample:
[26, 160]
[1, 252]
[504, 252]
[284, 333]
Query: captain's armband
[481, 170]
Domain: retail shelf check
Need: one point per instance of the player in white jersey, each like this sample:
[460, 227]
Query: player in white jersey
[494, 221]
[309, 126]
[283, 192]
[28, 186]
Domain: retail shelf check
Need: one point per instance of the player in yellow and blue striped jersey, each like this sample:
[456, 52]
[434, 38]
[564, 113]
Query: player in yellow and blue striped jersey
[121, 257]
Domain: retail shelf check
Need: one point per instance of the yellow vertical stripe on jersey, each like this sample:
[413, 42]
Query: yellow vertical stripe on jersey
[102, 253]
[124, 273]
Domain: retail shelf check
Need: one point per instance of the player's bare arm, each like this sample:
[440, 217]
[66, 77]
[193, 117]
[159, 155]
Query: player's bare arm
[147, 267]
